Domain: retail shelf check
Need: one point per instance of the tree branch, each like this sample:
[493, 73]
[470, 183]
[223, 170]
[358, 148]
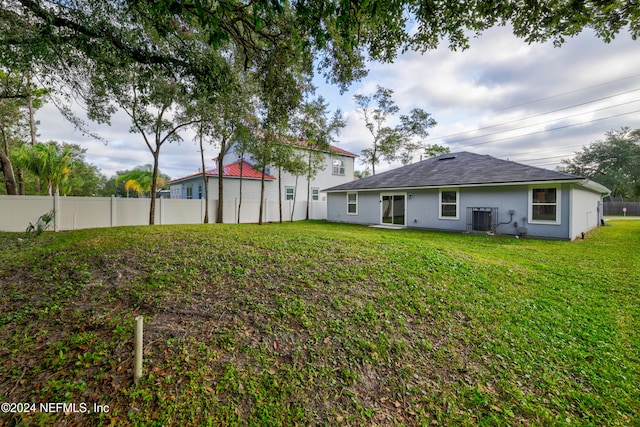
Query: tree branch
[101, 32]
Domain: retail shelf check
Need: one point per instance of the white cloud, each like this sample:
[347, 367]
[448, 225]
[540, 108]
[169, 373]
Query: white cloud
[501, 81]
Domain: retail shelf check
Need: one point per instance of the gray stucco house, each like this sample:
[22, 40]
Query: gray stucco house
[472, 192]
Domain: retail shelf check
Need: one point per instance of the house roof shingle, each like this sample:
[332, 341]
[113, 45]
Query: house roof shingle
[456, 169]
[330, 149]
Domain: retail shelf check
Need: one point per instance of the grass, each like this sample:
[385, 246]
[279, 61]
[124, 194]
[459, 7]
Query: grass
[322, 324]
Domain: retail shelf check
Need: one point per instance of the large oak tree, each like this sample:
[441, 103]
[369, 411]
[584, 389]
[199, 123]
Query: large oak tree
[338, 35]
[190, 41]
[613, 162]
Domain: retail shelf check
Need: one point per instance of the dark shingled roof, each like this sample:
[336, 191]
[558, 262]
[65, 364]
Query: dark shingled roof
[456, 169]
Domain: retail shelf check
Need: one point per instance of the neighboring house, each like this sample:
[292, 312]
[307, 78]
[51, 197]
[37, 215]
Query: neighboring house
[471, 192]
[338, 169]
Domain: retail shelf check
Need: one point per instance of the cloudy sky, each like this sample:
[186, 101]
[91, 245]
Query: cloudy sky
[534, 104]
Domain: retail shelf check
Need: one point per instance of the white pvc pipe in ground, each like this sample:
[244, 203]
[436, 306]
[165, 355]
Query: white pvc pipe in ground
[137, 373]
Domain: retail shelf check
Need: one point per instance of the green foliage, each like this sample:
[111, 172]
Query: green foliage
[51, 162]
[154, 98]
[139, 180]
[433, 150]
[391, 144]
[19, 98]
[199, 43]
[42, 224]
[613, 162]
[223, 120]
[314, 125]
[61, 166]
[84, 179]
[325, 324]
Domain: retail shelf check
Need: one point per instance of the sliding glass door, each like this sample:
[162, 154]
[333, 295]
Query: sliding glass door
[393, 209]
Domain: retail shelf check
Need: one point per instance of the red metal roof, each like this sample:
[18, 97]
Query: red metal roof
[232, 170]
[248, 171]
[341, 151]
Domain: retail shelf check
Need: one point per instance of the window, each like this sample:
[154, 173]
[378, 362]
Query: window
[189, 192]
[289, 193]
[448, 204]
[544, 205]
[338, 167]
[315, 194]
[352, 203]
[199, 191]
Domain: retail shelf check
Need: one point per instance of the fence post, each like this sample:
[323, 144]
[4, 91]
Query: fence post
[57, 214]
[113, 210]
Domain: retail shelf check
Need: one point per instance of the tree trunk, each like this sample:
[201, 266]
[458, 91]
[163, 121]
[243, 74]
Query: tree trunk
[220, 187]
[21, 187]
[7, 168]
[261, 197]
[9, 177]
[308, 187]
[205, 179]
[264, 163]
[154, 185]
[295, 194]
[32, 131]
[240, 195]
[280, 191]
[306, 216]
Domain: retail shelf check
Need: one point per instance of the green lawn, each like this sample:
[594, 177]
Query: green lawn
[322, 324]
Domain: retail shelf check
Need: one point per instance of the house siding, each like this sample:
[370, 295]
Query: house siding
[323, 179]
[587, 211]
[251, 192]
[423, 207]
[368, 208]
[563, 205]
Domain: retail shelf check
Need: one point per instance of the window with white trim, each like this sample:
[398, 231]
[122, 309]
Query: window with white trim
[189, 192]
[315, 194]
[199, 191]
[352, 203]
[448, 204]
[543, 206]
[338, 167]
[289, 193]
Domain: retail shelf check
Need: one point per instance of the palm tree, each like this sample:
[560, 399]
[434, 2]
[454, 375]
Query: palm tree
[50, 162]
[139, 180]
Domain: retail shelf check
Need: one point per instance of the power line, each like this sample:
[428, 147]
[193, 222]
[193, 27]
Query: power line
[554, 96]
[549, 130]
[538, 151]
[570, 92]
[543, 158]
[541, 114]
[545, 122]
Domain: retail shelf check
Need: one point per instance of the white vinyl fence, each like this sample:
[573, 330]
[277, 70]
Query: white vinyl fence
[72, 213]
